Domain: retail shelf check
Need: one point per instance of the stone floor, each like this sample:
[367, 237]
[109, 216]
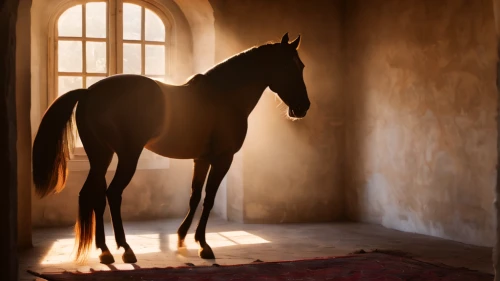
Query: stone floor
[154, 243]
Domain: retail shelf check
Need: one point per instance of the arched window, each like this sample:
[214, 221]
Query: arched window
[96, 39]
[91, 43]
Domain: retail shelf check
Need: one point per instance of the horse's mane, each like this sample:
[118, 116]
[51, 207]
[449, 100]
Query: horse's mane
[227, 67]
[225, 70]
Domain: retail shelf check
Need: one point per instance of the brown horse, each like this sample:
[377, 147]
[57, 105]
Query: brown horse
[204, 119]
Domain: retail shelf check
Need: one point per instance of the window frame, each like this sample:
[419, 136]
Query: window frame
[84, 74]
[114, 61]
[114, 41]
[168, 44]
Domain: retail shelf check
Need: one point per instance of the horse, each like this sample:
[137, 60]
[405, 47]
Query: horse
[205, 119]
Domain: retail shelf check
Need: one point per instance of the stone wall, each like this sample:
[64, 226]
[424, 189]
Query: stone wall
[421, 108]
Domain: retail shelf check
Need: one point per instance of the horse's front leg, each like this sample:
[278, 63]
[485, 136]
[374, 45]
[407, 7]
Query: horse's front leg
[201, 167]
[218, 170]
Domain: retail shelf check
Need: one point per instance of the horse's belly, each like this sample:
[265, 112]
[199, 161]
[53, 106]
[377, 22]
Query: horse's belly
[174, 149]
[182, 142]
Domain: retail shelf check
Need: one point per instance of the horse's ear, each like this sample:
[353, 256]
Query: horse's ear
[284, 39]
[295, 44]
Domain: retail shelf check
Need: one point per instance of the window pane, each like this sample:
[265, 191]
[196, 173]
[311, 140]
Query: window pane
[132, 58]
[155, 30]
[96, 20]
[92, 80]
[96, 57]
[155, 60]
[69, 56]
[68, 83]
[131, 21]
[70, 22]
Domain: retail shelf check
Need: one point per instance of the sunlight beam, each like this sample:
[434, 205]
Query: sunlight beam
[62, 250]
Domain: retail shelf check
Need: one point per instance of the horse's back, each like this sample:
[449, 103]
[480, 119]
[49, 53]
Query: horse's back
[173, 121]
[188, 121]
[125, 106]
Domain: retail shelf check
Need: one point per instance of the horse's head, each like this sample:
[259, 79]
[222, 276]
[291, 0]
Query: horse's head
[286, 78]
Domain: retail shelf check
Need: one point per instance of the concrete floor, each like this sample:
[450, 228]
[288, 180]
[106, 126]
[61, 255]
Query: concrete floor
[154, 243]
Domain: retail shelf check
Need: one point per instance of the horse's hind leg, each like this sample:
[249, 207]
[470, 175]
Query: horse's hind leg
[219, 168]
[100, 206]
[127, 164]
[201, 167]
[93, 194]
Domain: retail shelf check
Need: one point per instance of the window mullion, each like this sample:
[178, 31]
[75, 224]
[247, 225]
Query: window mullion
[54, 68]
[143, 39]
[84, 45]
[112, 37]
[119, 35]
[69, 38]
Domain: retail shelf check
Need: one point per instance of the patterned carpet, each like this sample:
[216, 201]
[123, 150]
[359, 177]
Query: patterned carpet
[369, 266]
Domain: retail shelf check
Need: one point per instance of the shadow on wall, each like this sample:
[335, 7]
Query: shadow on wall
[421, 116]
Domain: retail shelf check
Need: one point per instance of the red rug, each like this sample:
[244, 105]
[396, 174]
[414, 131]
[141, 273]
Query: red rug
[369, 267]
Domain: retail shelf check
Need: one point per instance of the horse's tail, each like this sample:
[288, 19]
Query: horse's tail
[53, 143]
[84, 227]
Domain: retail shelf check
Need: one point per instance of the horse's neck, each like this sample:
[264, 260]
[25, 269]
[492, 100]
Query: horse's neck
[248, 97]
[243, 87]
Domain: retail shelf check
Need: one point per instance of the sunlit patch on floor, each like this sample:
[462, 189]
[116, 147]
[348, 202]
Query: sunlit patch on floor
[243, 237]
[217, 240]
[62, 250]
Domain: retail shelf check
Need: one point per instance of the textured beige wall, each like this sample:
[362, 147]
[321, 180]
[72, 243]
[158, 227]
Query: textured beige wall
[421, 131]
[288, 171]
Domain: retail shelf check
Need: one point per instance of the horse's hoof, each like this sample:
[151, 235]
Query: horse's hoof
[106, 258]
[206, 253]
[181, 244]
[129, 256]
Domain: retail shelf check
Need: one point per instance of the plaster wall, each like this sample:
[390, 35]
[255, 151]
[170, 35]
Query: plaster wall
[288, 171]
[420, 108]
[153, 193]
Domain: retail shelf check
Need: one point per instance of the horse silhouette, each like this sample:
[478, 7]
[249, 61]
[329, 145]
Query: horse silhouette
[205, 119]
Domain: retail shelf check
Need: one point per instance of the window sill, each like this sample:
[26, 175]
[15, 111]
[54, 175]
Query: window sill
[144, 164]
